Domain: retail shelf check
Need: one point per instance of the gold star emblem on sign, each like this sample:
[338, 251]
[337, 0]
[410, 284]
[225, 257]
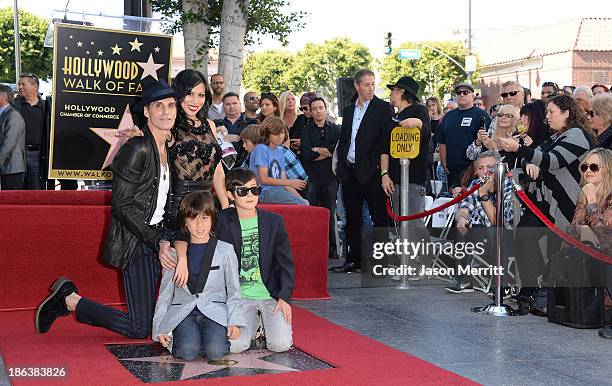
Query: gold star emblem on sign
[135, 45]
[149, 68]
[116, 49]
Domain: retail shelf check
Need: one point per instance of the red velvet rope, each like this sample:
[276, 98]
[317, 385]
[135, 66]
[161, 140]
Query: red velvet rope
[430, 211]
[569, 239]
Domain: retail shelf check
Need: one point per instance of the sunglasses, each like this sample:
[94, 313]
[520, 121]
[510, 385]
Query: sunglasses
[462, 92]
[253, 98]
[594, 168]
[592, 114]
[304, 108]
[242, 191]
[29, 75]
[505, 115]
[511, 93]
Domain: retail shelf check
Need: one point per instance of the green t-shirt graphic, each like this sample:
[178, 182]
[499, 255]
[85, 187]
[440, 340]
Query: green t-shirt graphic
[251, 285]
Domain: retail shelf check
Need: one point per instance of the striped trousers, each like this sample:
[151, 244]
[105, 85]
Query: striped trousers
[140, 279]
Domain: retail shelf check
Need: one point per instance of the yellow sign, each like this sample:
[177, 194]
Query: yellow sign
[405, 142]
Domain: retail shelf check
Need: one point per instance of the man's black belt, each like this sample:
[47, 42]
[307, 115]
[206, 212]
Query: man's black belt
[33, 147]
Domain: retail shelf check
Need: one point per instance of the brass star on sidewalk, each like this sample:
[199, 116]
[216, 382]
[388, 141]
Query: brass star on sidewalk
[149, 68]
[110, 135]
[250, 359]
[116, 49]
[135, 45]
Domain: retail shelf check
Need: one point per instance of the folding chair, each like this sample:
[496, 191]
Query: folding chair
[442, 220]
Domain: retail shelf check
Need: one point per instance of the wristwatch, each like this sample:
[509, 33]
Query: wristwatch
[384, 173]
[484, 197]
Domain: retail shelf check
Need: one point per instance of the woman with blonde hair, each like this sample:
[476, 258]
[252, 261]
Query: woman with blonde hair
[288, 108]
[505, 126]
[593, 216]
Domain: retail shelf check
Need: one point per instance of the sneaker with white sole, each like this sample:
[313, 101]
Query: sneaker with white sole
[458, 287]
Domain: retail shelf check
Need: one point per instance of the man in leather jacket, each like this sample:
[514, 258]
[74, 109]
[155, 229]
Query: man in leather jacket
[141, 182]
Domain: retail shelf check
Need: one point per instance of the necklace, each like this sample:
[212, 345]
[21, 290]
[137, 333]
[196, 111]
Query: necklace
[164, 171]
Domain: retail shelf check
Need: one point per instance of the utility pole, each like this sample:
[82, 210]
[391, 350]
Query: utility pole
[17, 45]
[469, 37]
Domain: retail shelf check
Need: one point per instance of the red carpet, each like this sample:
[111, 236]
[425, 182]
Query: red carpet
[80, 349]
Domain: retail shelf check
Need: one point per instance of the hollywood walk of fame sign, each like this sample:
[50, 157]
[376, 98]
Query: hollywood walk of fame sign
[97, 75]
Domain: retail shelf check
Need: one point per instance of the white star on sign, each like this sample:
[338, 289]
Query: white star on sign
[92, 43]
[80, 44]
[100, 53]
[149, 68]
[156, 49]
[135, 45]
[249, 359]
[116, 49]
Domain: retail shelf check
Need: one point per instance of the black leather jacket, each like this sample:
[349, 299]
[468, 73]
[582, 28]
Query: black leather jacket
[136, 171]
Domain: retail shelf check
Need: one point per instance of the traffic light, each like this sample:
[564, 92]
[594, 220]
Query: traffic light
[388, 42]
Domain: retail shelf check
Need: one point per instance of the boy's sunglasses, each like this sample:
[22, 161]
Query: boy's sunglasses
[511, 93]
[242, 191]
[594, 168]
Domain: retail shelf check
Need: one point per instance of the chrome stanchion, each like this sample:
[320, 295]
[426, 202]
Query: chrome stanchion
[405, 171]
[498, 308]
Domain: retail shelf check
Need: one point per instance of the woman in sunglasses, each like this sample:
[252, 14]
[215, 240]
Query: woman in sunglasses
[593, 217]
[504, 127]
[601, 119]
[268, 106]
[553, 168]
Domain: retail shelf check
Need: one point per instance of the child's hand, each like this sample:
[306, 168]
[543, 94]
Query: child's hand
[164, 340]
[233, 332]
[181, 273]
[285, 308]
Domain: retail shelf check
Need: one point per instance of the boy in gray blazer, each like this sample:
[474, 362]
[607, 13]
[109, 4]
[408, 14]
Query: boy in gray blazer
[198, 318]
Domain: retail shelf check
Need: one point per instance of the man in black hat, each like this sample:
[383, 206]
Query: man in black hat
[410, 113]
[141, 182]
[459, 129]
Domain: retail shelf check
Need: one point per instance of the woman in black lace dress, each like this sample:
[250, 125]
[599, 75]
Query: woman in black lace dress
[194, 151]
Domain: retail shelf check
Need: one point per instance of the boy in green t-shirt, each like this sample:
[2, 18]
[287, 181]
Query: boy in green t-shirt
[266, 265]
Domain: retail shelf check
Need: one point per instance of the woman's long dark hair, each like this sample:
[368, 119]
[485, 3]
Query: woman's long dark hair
[538, 129]
[183, 83]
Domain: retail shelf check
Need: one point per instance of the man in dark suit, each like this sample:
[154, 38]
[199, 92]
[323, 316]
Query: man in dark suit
[12, 143]
[358, 152]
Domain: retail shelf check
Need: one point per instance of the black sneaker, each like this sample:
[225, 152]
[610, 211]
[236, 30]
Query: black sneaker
[606, 332]
[458, 287]
[54, 305]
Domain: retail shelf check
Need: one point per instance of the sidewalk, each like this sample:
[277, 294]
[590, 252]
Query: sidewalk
[439, 327]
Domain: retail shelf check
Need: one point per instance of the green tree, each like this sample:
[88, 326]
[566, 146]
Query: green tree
[265, 17]
[318, 66]
[35, 58]
[434, 72]
[267, 71]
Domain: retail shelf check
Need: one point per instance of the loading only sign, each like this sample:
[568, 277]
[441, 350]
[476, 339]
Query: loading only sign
[405, 142]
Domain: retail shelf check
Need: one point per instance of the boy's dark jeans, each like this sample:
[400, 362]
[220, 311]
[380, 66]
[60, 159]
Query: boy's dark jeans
[197, 334]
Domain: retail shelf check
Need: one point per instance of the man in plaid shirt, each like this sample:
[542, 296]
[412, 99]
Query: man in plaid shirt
[479, 209]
